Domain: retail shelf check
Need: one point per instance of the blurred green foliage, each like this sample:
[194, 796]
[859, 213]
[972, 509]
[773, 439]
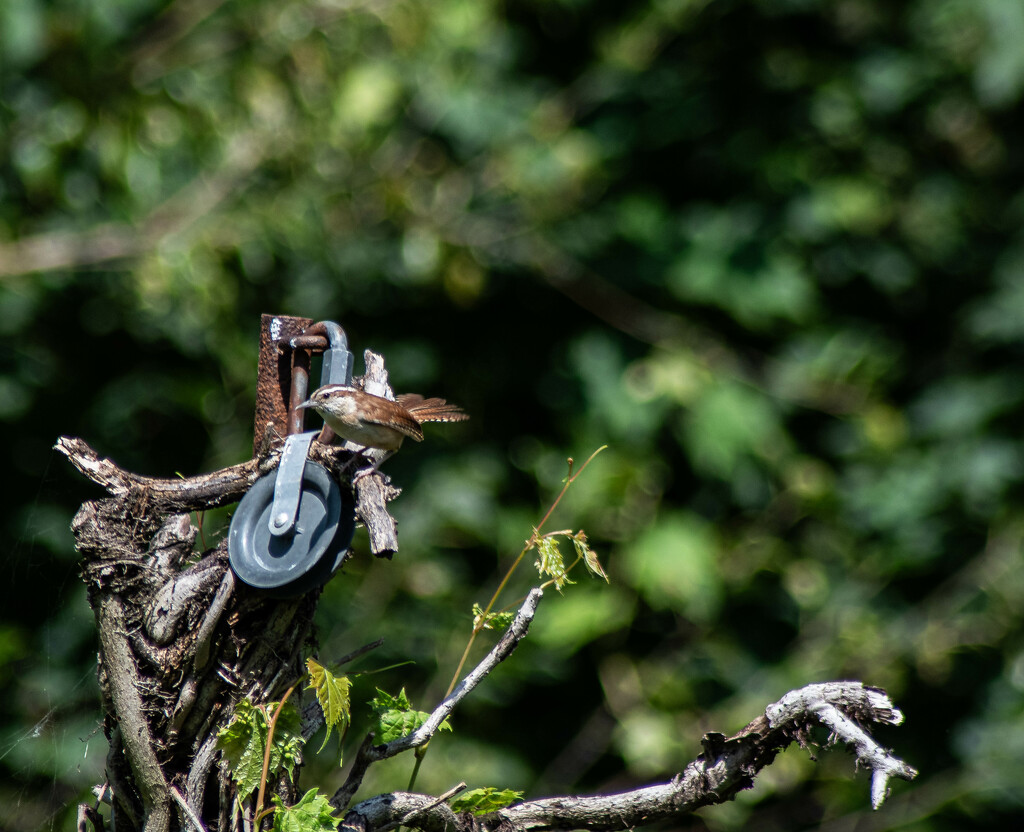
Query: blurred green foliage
[769, 251]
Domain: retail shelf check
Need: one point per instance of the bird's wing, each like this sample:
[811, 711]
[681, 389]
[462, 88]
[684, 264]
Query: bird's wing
[403, 422]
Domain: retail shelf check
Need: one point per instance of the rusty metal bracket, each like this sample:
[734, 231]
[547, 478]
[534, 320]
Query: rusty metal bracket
[280, 367]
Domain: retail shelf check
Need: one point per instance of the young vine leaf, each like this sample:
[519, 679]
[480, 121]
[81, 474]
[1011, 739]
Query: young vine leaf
[579, 540]
[333, 694]
[493, 620]
[311, 814]
[550, 562]
[396, 716]
[244, 740]
[486, 800]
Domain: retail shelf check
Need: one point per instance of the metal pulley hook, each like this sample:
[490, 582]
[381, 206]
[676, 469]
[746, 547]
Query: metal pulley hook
[338, 359]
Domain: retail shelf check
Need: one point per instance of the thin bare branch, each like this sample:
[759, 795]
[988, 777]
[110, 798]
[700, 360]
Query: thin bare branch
[501, 651]
[437, 801]
[842, 718]
[187, 810]
[727, 766]
[369, 753]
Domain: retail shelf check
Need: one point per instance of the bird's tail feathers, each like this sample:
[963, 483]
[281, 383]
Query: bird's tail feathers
[431, 410]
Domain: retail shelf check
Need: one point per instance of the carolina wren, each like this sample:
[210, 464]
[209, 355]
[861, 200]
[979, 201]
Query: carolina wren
[376, 422]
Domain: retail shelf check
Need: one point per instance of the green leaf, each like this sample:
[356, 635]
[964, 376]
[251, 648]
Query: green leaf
[483, 801]
[579, 540]
[332, 692]
[396, 716]
[311, 814]
[395, 724]
[493, 620]
[244, 741]
[384, 701]
[550, 562]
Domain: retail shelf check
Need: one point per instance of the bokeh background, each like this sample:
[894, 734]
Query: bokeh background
[768, 251]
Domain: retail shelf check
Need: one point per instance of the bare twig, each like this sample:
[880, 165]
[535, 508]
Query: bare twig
[205, 758]
[267, 751]
[88, 816]
[501, 651]
[426, 807]
[360, 651]
[369, 753]
[213, 614]
[373, 494]
[375, 491]
[362, 762]
[727, 766]
[387, 808]
[827, 703]
[187, 810]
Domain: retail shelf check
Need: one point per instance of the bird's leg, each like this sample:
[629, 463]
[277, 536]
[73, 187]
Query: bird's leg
[373, 468]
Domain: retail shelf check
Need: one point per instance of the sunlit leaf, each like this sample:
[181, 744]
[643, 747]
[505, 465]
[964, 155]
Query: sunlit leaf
[492, 620]
[244, 741]
[485, 800]
[550, 562]
[332, 692]
[579, 541]
[396, 717]
[311, 814]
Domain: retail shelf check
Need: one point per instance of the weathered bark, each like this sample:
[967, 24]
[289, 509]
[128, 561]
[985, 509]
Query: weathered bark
[178, 646]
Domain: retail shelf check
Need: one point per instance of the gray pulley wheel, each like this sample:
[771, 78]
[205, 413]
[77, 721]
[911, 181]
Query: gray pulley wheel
[280, 562]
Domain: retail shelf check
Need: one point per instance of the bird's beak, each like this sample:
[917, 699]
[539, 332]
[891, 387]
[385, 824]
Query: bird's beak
[307, 403]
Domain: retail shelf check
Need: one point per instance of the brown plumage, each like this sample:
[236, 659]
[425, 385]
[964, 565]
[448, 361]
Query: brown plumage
[376, 422]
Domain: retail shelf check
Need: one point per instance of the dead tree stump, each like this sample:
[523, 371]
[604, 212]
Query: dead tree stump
[181, 640]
